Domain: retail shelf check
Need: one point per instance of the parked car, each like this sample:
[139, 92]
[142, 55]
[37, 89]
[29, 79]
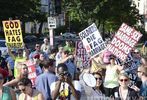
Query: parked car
[3, 46]
[69, 36]
[30, 39]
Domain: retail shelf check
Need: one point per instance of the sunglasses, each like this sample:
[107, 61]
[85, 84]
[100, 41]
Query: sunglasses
[25, 68]
[138, 71]
[98, 78]
[136, 52]
[37, 46]
[123, 80]
[23, 90]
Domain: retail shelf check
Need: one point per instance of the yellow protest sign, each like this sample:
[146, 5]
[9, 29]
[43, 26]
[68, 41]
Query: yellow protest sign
[13, 33]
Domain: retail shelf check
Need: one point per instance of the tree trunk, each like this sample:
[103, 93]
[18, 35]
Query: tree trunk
[40, 28]
[23, 27]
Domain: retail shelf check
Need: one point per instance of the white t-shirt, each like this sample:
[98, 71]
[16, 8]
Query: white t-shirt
[64, 89]
[58, 58]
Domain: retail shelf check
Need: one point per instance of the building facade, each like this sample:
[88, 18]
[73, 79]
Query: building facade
[141, 5]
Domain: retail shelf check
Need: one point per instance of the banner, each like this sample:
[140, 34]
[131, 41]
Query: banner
[13, 33]
[82, 59]
[92, 40]
[124, 41]
[32, 73]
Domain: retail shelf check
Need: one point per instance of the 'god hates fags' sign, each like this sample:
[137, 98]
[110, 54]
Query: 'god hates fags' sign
[13, 33]
[92, 40]
[124, 41]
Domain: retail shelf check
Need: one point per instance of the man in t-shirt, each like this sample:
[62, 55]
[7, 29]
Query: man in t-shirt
[44, 80]
[65, 88]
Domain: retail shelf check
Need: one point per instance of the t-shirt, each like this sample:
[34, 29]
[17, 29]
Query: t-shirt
[111, 77]
[58, 58]
[71, 67]
[64, 90]
[43, 83]
[45, 48]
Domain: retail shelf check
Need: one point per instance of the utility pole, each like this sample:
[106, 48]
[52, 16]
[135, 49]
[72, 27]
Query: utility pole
[51, 22]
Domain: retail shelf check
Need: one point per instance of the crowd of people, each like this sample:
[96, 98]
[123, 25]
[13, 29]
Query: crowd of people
[59, 78]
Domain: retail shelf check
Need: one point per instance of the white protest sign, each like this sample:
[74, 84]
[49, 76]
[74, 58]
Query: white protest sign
[124, 41]
[92, 40]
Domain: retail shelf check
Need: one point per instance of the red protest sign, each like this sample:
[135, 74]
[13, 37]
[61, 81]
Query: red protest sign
[32, 73]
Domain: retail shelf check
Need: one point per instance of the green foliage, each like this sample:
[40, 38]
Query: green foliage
[24, 10]
[108, 14]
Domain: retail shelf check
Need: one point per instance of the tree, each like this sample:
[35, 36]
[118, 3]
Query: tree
[24, 10]
[107, 14]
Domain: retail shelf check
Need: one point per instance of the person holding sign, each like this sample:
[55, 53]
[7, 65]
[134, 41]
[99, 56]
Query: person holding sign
[19, 58]
[111, 76]
[97, 90]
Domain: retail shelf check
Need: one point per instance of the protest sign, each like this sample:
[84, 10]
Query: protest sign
[82, 59]
[13, 33]
[92, 40]
[124, 41]
[32, 73]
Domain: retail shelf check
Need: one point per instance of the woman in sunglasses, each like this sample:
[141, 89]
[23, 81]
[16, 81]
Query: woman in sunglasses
[28, 93]
[97, 92]
[123, 92]
[6, 93]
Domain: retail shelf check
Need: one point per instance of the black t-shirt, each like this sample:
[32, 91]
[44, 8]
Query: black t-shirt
[132, 94]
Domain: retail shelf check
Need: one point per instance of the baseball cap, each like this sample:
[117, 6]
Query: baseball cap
[36, 56]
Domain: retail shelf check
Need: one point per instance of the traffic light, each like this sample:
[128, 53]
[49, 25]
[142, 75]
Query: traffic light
[58, 6]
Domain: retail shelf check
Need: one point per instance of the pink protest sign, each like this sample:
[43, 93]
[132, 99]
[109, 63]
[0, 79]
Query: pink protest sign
[82, 58]
[124, 41]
